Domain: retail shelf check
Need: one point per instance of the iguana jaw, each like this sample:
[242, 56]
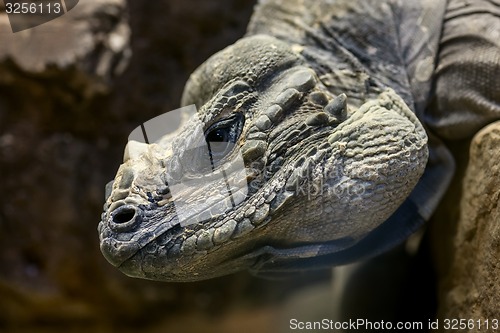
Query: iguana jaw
[364, 165]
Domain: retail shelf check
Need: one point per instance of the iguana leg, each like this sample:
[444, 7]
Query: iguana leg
[467, 89]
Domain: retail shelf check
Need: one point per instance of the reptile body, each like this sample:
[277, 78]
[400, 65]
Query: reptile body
[336, 108]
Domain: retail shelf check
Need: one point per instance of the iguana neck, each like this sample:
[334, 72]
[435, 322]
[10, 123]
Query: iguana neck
[356, 43]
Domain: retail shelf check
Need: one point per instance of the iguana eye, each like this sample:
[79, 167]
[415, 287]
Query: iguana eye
[222, 136]
[219, 135]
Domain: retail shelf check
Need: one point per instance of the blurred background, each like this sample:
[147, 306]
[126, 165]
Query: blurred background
[71, 90]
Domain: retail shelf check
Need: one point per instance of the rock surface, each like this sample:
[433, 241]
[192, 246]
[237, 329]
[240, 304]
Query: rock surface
[470, 282]
[92, 41]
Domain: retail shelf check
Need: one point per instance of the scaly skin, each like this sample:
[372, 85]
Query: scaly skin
[331, 149]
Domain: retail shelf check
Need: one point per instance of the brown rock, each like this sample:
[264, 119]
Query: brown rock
[94, 37]
[470, 287]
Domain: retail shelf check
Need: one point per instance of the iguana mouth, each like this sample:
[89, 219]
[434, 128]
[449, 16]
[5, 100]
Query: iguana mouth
[124, 236]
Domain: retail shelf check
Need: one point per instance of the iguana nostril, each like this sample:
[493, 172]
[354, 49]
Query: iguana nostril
[125, 218]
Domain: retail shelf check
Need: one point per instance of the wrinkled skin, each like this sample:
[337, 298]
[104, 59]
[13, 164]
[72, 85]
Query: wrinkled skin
[322, 173]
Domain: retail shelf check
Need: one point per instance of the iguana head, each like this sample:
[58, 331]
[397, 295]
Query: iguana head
[305, 170]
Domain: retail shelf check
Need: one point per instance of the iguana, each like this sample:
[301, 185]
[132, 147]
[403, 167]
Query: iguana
[347, 99]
